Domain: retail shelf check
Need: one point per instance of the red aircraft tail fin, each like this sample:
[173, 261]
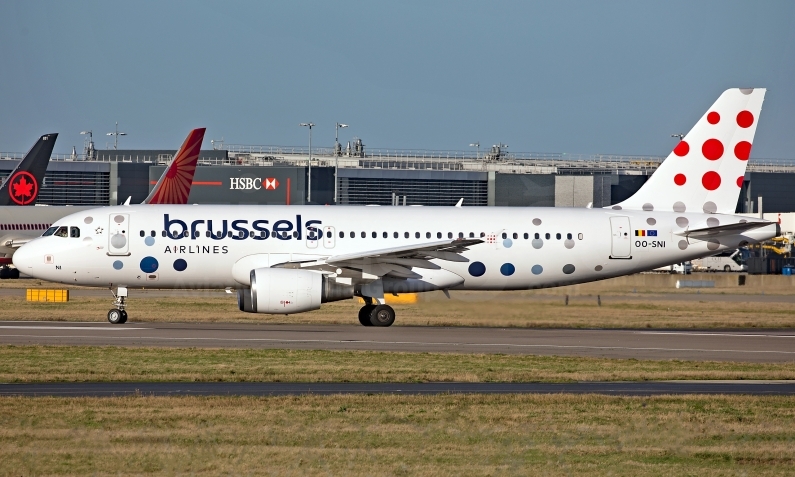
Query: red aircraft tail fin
[174, 185]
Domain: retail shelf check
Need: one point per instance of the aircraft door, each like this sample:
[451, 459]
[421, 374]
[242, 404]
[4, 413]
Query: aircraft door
[622, 239]
[119, 234]
[328, 237]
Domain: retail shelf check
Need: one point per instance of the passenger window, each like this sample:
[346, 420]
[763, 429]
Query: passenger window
[557, 236]
[74, 232]
[49, 231]
[375, 234]
[295, 234]
[537, 236]
[416, 235]
[460, 234]
[342, 234]
[504, 235]
[482, 234]
[364, 234]
[449, 235]
[386, 234]
[62, 232]
[207, 234]
[143, 233]
[353, 234]
[186, 234]
[153, 234]
[396, 235]
[568, 236]
[526, 235]
[229, 234]
[406, 235]
[515, 235]
[579, 236]
[328, 233]
[427, 235]
[547, 236]
[438, 235]
[471, 234]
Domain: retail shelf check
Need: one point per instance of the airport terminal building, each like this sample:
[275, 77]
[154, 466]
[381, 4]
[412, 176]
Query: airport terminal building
[281, 175]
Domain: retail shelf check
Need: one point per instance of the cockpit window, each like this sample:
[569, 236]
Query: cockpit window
[74, 232]
[62, 232]
[49, 231]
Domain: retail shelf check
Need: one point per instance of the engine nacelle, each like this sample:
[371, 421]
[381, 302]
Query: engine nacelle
[285, 291]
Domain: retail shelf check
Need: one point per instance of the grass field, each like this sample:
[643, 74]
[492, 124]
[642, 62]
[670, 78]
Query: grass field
[87, 363]
[399, 435]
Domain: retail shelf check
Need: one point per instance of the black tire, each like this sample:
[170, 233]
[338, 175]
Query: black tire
[115, 316]
[14, 273]
[123, 317]
[382, 315]
[364, 315]
[5, 273]
[727, 268]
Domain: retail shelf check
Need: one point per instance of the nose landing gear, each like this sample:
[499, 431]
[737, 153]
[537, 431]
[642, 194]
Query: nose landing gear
[117, 315]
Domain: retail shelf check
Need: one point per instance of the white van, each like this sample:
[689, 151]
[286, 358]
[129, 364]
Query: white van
[684, 268]
[730, 261]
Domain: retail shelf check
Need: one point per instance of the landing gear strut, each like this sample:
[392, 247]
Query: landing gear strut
[117, 315]
[376, 315]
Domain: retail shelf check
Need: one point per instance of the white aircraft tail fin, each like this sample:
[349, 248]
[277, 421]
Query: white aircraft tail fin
[705, 171]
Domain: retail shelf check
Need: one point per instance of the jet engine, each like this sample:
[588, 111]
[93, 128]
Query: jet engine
[283, 291]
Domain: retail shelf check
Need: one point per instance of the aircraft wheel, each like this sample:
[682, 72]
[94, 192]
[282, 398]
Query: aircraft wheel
[13, 273]
[382, 315]
[116, 316]
[364, 315]
[123, 316]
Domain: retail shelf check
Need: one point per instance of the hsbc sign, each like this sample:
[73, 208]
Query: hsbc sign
[253, 183]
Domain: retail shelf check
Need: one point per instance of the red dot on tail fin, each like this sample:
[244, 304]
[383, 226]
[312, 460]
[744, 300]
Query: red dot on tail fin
[742, 150]
[713, 117]
[712, 149]
[740, 181]
[745, 119]
[680, 179]
[682, 149]
[711, 180]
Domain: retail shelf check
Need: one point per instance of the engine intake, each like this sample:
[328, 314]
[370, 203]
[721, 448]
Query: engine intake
[283, 291]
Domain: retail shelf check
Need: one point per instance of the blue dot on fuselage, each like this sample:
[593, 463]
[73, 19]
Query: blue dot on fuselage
[149, 264]
[507, 269]
[180, 265]
[477, 269]
[507, 243]
[118, 265]
[149, 241]
[537, 269]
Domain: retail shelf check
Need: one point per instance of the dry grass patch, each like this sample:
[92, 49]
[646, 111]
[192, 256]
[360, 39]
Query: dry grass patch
[399, 435]
[87, 363]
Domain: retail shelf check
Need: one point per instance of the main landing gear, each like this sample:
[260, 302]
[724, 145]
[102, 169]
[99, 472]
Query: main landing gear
[117, 315]
[376, 315]
[9, 273]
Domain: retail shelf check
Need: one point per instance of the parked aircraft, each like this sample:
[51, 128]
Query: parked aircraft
[290, 259]
[18, 225]
[26, 180]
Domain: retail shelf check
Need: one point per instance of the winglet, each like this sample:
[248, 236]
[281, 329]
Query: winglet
[127, 202]
[460, 202]
[25, 181]
[174, 185]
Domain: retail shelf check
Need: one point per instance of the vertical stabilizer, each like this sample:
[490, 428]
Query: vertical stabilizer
[23, 185]
[174, 185]
[704, 173]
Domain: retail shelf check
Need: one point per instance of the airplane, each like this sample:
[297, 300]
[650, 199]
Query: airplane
[291, 259]
[18, 225]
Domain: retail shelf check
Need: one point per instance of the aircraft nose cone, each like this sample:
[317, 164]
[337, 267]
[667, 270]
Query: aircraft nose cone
[24, 259]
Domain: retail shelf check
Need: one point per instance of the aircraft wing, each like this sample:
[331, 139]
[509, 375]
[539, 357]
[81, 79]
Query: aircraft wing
[395, 261]
[722, 230]
[174, 185]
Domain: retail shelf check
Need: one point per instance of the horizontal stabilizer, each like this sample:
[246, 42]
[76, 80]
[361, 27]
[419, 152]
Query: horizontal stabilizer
[722, 230]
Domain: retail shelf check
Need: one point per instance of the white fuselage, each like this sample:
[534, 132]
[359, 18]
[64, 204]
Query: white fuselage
[126, 246]
[20, 224]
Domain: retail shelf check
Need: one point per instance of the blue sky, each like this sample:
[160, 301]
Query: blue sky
[563, 76]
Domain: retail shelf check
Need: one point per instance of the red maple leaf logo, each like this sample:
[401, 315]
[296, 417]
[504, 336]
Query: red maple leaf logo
[23, 188]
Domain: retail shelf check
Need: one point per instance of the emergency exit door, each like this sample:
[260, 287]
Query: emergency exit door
[622, 238]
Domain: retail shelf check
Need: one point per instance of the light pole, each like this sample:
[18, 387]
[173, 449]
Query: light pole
[116, 135]
[309, 182]
[680, 136]
[337, 152]
[88, 147]
[477, 151]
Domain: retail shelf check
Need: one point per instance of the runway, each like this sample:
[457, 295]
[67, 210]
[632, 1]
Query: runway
[747, 346]
[645, 388]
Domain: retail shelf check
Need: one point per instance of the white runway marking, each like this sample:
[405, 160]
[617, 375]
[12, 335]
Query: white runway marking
[691, 333]
[101, 328]
[420, 343]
